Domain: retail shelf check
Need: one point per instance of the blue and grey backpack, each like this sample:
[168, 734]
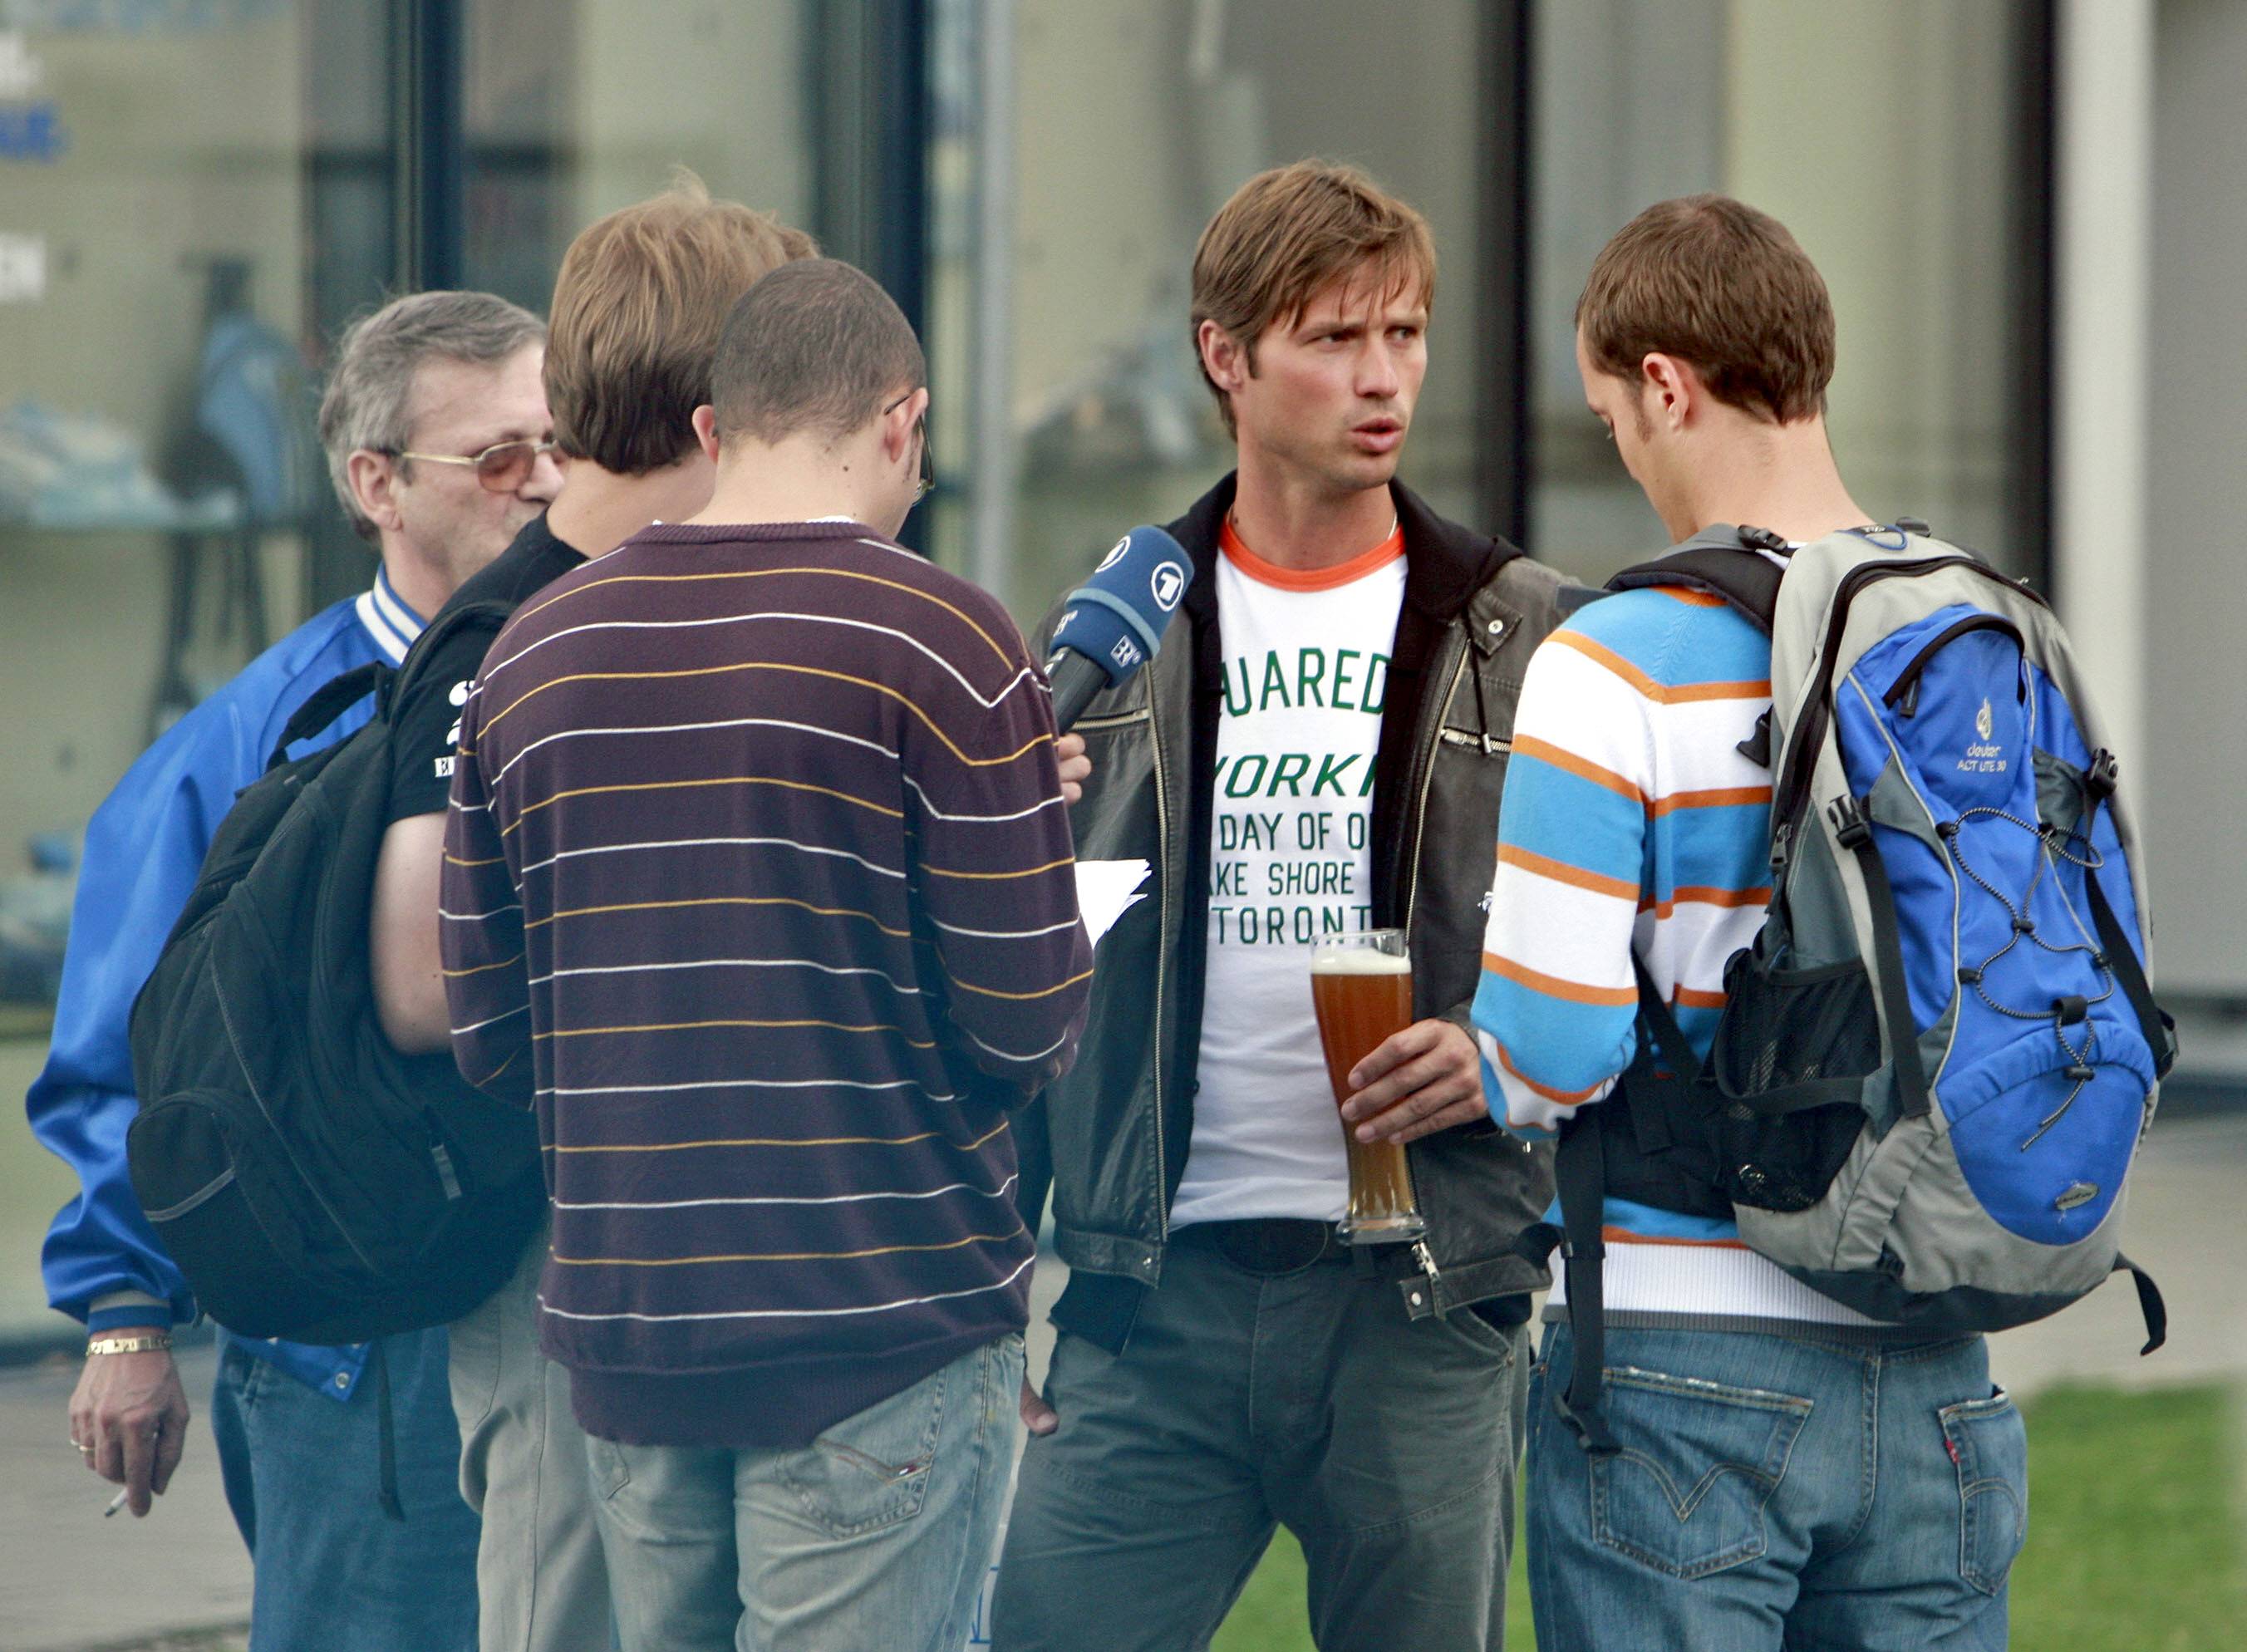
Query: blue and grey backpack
[1937, 1061]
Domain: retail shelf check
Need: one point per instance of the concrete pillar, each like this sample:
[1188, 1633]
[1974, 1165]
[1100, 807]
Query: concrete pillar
[2105, 260]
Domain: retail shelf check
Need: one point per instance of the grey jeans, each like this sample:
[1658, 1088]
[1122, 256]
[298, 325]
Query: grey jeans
[541, 1583]
[1243, 1401]
[875, 1538]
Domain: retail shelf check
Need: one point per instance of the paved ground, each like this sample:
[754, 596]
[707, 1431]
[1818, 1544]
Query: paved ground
[71, 1579]
[71, 1582]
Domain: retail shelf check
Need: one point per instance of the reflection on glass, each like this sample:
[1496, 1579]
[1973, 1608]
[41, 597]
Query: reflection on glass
[1900, 192]
[158, 347]
[574, 108]
[1134, 122]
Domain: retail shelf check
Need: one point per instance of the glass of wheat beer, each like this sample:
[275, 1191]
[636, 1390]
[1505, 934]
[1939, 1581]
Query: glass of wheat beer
[1362, 989]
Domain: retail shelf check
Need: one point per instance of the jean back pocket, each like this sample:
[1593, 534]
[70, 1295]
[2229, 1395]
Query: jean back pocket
[1699, 1461]
[872, 1468]
[1989, 1446]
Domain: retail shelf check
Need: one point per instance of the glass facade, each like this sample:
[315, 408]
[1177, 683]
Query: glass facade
[573, 108]
[1899, 180]
[1132, 122]
[196, 194]
[173, 257]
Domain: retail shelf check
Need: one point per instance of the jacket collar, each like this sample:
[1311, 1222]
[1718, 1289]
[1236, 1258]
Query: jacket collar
[1444, 564]
[391, 624]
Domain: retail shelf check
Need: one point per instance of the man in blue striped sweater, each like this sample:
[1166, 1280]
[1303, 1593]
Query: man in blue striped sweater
[1784, 1476]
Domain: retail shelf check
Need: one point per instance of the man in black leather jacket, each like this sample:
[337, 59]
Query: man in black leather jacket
[1331, 760]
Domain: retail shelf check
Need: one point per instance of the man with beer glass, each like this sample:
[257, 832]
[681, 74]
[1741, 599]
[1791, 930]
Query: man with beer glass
[1254, 1332]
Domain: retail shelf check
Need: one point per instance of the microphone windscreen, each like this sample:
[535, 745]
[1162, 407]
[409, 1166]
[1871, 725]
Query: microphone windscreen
[1117, 619]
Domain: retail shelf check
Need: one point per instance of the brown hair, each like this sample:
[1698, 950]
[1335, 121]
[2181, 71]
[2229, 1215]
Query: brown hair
[638, 308]
[814, 348]
[1288, 233]
[1715, 283]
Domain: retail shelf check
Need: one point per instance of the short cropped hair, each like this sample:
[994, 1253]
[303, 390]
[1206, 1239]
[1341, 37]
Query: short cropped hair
[814, 348]
[638, 305]
[370, 394]
[1287, 234]
[1713, 282]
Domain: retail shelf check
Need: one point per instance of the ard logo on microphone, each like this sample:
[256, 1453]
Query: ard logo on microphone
[1168, 584]
[1115, 555]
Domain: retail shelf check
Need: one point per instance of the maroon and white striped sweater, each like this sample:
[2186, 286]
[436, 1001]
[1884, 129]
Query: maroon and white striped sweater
[758, 884]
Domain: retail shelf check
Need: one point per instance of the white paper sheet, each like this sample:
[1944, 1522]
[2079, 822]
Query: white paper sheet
[1106, 889]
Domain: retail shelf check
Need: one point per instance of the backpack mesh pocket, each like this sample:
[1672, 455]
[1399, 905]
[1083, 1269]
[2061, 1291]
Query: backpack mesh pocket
[1784, 1107]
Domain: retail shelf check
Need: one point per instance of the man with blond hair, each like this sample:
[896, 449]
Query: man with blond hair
[638, 305]
[1317, 746]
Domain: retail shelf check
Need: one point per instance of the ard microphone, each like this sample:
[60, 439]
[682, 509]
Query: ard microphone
[1115, 621]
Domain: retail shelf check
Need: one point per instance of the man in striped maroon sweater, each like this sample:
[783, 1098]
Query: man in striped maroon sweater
[759, 886]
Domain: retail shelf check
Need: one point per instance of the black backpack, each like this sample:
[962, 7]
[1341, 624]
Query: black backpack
[312, 1181]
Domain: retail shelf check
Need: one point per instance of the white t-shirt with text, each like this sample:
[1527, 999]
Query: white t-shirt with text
[1306, 674]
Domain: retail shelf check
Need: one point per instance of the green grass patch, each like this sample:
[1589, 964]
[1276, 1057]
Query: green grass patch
[2136, 1537]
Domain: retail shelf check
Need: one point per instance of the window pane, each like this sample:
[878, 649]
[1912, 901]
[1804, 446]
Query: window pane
[1897, 180]
[574, 108]
[166, 175]
[1133, 123]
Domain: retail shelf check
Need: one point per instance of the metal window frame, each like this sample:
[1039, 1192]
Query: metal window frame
[1504, 458]
[2033, 252]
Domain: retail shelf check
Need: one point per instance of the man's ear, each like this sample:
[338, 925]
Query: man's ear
[373, 479]
[897, 427]
[1670, 390]
[1224, 358]
[706, 431]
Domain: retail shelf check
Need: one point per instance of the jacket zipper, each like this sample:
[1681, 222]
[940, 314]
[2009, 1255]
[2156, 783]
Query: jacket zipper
[1428, 1267]
[1162, 962]
[1489, 745]
[1119, 720]
[1427, 755]
[1427, 778]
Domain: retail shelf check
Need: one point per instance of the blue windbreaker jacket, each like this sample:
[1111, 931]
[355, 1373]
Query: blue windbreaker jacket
[144, 849]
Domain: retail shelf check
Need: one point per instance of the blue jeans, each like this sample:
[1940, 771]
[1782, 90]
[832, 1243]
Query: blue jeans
[331, 1571]
[1776, 1491]
[1243, 1400]
[876, 1535]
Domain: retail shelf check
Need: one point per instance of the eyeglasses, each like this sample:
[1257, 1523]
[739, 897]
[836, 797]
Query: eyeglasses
[926, 485]
[501, 467]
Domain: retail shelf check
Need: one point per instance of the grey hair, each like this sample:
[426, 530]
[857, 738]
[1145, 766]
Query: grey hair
[370, 392]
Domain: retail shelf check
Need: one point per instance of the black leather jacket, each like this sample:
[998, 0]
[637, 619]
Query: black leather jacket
[1110, 1136]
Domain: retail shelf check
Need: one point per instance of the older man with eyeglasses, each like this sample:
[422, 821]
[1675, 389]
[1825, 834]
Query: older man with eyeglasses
[436, 431]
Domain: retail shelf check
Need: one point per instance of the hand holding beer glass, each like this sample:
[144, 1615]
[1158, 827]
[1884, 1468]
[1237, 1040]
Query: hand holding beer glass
[1361, 991]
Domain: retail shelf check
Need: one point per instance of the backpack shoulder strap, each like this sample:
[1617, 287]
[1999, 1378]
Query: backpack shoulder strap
[448, 623]
[1745, 579]
[328, 702]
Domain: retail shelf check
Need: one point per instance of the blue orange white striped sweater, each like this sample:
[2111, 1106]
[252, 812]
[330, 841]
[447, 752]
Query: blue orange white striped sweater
[1631, 818]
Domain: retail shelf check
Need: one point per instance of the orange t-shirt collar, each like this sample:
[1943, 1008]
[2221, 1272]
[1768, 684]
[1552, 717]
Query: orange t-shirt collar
[1236, 550]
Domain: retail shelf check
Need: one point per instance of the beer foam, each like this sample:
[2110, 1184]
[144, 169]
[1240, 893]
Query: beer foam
[1357, 960]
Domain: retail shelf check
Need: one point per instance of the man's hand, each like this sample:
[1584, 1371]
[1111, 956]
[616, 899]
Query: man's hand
[1424, 1078]
[131, 1408]
[1037, 1416]
[1075, 767]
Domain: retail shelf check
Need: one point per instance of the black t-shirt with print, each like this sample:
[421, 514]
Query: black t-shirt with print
[425, 726]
